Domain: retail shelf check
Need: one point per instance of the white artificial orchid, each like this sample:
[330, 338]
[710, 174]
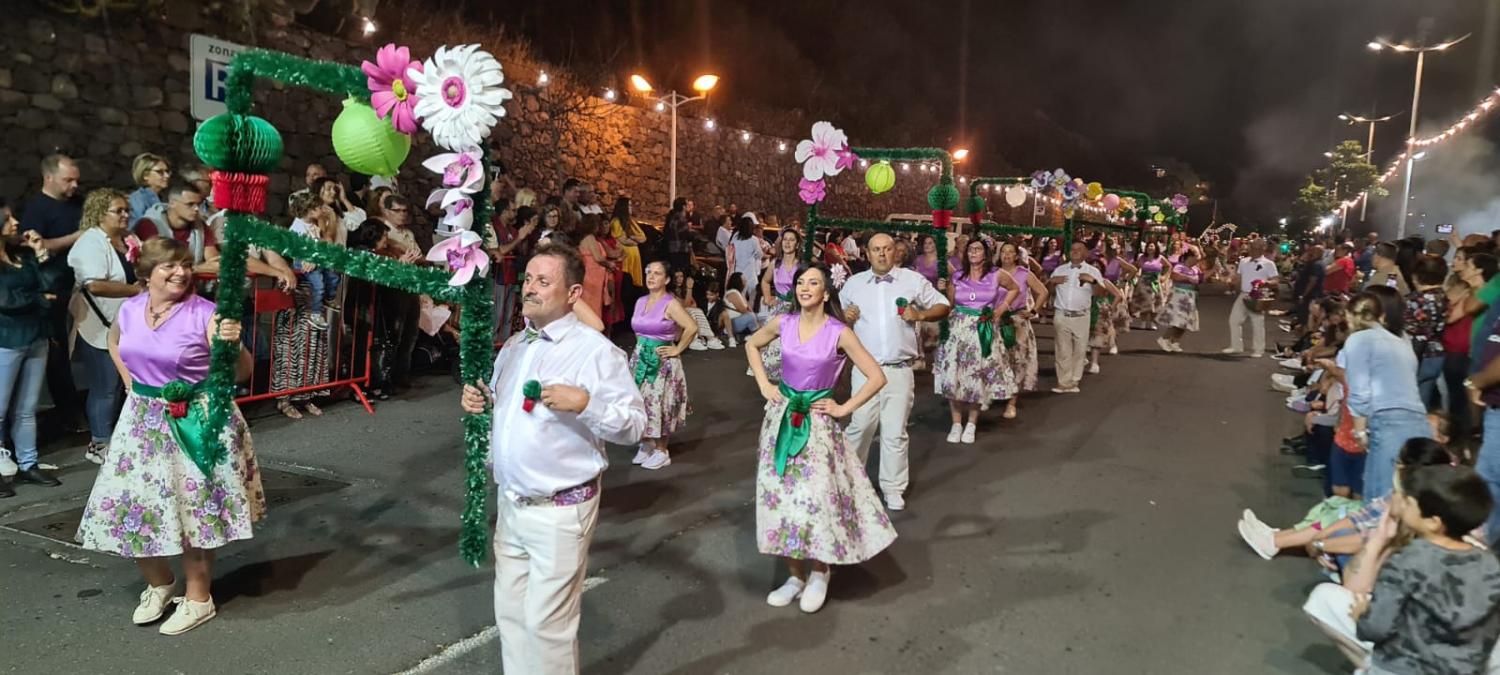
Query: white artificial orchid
[459, 95]
[461, 171]
[827, 154]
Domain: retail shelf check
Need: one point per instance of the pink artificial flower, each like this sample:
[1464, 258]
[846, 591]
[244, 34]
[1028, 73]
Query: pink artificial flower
[132, 248]
[811, 191]
[846, 158]
[392, 93]
[463, 254]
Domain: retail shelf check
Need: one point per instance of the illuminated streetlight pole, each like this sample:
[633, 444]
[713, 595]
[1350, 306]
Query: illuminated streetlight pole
[703, 84]
[1369, 148]
[1416, 97]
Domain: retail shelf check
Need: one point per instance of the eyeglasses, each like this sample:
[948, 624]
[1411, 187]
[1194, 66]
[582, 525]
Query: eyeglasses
[164, 172]
[118, 212]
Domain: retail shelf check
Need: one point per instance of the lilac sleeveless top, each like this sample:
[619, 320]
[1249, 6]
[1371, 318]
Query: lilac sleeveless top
[176, 350]
[1192, 272]
[783, 277]
[1112, 270]
[811, 365]
[929, 270]
[1022, 277]
[974, 294]
[654, 323]
[1051, 262]
[1152, 266]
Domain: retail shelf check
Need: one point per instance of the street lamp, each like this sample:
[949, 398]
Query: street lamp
[1369, 147]
[1416, 98]
[702, 84]
[960, 154]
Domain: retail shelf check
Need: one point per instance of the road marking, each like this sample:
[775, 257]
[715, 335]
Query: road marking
[458, 649]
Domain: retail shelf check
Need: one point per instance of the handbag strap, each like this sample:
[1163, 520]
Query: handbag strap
[89, 297]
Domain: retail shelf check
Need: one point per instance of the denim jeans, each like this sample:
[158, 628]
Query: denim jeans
[1429, 369]
[325, 287]
[1389, 430]
[30, 365]
[1488, 467]
[103, 383]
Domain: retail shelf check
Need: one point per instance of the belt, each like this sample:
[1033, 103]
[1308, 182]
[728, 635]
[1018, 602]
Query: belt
[1074, 313]
[897, 364]
[572, 496]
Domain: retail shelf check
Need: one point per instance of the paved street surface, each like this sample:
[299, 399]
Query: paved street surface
[1092, 535]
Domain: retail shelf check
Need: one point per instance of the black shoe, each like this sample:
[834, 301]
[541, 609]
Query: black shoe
[1295, 440]
[5, 488]
[1291, 450]
[39, 476]
[1309, 471]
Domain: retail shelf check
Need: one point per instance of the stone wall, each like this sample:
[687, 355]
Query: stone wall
[104, 94]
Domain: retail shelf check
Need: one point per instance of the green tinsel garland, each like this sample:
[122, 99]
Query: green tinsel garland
[939, 237]
[338, 79]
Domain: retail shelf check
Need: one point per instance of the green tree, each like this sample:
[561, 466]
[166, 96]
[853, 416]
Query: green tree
[1348, 173]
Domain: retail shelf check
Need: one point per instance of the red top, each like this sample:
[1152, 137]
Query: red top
[145, 228]
[1456, 336]
[1339, 276]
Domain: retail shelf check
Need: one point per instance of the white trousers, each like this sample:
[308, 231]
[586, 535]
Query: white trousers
[1237, 317]
[1071, 347]
[1328, 606]
[541, 558]
[887, 412]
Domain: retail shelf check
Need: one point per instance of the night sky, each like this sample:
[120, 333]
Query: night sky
[1247, 92]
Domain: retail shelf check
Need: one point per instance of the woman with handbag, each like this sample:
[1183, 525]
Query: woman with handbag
[103, 263]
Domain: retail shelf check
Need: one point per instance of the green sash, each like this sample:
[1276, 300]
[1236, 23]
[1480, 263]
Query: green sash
[1099, 300]
[191, 429]
[784, 297]
[795, 426]
[986, 326]
[1153, 278]
[647, 361]
[1008, 329]
[1178, 285]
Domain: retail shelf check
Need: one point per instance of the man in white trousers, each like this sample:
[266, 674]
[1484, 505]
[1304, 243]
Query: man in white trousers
[1252, 268]
[560, 390]
[1072, 288]
[889, 332]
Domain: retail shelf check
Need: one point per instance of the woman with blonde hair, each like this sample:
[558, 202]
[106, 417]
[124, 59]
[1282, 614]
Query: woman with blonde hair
[151, 174]
[102, 264]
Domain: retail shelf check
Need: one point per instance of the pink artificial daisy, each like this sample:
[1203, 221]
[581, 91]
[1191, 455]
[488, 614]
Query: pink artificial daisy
[392, 93]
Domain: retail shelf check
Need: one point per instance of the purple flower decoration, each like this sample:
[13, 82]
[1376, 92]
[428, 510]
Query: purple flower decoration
[462, 254]
[846, 158]
[811, 191]
[1041, 180]
[1069, 192]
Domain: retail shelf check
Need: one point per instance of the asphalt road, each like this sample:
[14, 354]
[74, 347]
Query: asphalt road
[1092, 535]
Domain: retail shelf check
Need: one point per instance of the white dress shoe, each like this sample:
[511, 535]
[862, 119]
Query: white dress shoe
[189, 615]
[789, 591]
[154, 601]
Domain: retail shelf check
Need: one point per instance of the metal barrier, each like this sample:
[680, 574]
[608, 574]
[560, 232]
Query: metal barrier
[349, 341]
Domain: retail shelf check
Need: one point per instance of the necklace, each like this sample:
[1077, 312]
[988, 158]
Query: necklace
[157, 314]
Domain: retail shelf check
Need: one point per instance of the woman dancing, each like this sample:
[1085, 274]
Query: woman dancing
[1180, 314]
[663, 332]
[1146, 299]
[926, 264]
[1113, 310]
[1016, 334]
[967, 369]
[814, 505]
[776, 293]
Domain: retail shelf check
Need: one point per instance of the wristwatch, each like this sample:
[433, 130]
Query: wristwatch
[1469, 384]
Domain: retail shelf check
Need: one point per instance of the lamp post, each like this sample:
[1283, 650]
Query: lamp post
[1416, 98]
[1369, 148]
[702, 84]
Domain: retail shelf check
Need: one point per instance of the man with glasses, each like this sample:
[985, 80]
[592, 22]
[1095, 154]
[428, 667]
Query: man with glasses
[180, 217]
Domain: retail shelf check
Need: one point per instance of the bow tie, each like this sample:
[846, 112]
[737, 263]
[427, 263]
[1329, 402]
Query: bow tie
[532, 335]
[885, 279]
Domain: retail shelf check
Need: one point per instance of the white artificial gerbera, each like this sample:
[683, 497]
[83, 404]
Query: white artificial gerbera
[459, 95]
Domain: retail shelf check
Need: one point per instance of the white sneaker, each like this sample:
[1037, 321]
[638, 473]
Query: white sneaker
[317, 322]
[1164, 344]
[641, 453]
[895, 502]
[750, 372]
[96, 453]
[154, 601]
[8, 466]
[658, 460]
[733, 342]
[816, 592]
[1256, 355]
[698, 345]
[1114, 349]
[1262, 542]
[954, 432]
[189, 615]
[789, 591]
[1231, 351]
[968, 435]
[1094, 368]
[1065, 390]
[1293, 364]
[1177, 347]
[713, 343]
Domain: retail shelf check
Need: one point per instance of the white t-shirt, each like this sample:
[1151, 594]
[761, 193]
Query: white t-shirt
[729, 304]
[1255, 269]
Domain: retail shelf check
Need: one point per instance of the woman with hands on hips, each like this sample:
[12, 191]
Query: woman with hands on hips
[663, 332]
[814, 503]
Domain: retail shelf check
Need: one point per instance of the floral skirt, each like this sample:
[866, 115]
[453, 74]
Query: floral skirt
[823, 508]
[1120, 316]
[771, 355]
[1021, 359]
[666, 398]
[151, 500]
[1181, 310]
[1102, 329]
[961, 372]
[1145, 300]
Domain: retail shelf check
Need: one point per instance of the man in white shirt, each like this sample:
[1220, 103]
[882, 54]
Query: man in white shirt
[1252, 268]
[1072, 288]
[560, 390]
[869, 300]
[851, 247]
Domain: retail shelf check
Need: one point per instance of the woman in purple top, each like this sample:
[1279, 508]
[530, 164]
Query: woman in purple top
[776, 290]
[1019, 356]
[967, 369]
[1180, 315]
[663, 330]
[161, 493]
[1109, 305]
[926, 263]
[1146, 299]
[814, 505]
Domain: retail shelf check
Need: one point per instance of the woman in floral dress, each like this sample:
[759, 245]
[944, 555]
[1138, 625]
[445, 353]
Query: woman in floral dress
[1180, 314]
[776, 293]
[1108, 299]
[160, 494]
[967, 369]
[1146, 298]
[663, 332]
[814, 505]
[1019, 355]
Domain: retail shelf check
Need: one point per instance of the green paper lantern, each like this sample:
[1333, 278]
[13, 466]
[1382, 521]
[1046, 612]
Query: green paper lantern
[943, 196]
[366, 143]
[976, 205]
[1160, 216]
[238, 144]
[880, 177]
